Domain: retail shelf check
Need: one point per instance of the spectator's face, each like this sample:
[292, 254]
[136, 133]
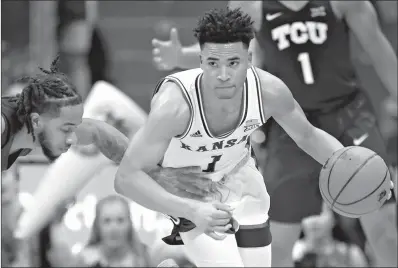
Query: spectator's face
[114, 224]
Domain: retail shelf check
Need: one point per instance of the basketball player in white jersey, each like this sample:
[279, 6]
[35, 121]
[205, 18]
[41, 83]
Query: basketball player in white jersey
[283, 35]
[204, 117]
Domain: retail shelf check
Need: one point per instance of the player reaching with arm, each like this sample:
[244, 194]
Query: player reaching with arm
[316, 66]
[47, 115]
[205, 116]
[168, 118]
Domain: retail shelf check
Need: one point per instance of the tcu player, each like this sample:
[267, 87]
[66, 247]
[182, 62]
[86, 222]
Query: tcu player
[306, 45]
[204, 117]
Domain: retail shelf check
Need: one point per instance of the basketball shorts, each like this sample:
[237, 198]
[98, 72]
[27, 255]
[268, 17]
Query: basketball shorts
[291, 176]
[245, 191]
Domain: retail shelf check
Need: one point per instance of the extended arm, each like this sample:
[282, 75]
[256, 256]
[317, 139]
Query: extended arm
[280, 104]
[361, 18]
[169, 117]
[111, 142]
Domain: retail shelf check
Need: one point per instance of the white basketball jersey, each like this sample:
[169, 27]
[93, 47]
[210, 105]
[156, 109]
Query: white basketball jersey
[197, 146]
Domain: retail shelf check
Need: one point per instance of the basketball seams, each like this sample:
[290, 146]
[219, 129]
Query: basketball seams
[351, 177]
[363, 198]
[348, 214]
[331, 169]
[325, 183]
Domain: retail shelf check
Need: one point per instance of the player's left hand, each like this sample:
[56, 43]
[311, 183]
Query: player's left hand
[392, 189]
[186, 182]
[388, 122]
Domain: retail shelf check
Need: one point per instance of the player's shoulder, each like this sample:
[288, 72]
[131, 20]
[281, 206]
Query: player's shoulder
[274, 92]
[171, 102]
[343, 8]
[272, 87]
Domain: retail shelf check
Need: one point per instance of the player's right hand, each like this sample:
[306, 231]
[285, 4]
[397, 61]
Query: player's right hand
[166, 54]
[213, 218]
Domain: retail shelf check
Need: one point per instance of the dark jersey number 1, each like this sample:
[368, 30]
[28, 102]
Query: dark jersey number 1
[211, 167]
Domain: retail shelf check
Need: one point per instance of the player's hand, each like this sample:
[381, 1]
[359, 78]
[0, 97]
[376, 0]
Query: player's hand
[213, 218]
[394, 175]
[186, 182]
[388, 122]
[391, 190]
[166, 54]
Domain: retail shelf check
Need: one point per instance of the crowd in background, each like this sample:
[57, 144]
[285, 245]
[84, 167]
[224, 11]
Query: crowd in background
[114, 240]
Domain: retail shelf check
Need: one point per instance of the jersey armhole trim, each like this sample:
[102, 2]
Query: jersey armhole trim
[259, 95]
[186, 97]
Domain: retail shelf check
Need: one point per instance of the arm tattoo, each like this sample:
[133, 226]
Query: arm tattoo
[110, 141]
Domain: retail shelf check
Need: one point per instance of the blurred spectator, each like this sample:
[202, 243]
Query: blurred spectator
[81, 44]
[14, 65]
[113, 241]
[53, 251]
[319, 248]
[13, 252]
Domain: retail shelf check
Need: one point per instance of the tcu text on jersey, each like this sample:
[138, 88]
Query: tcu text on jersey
[300, 33]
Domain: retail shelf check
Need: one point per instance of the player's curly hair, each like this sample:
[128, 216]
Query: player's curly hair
[46, 92]
[225, 26]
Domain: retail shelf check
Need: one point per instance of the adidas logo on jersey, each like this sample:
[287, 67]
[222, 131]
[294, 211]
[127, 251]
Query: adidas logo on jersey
[196, 134]
[251, 124]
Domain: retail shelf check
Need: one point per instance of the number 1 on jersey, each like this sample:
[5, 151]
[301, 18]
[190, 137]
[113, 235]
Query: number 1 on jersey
[306, 68]
[212, 166]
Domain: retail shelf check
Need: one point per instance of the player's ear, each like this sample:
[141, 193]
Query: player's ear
[200, 58]
[250, 58]
[37, 121]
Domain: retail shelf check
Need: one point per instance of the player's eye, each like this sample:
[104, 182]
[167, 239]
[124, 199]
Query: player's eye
[234, 63]
[66, 130]
[212, 64]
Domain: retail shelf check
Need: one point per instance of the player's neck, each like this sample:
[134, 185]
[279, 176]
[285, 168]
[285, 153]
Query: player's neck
[22, 140]
[214, 104]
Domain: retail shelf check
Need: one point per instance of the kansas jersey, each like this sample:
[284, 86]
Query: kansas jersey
[197, 146]
[308, 50]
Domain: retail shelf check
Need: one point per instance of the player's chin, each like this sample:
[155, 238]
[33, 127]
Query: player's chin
[51, 155]
[225, 93]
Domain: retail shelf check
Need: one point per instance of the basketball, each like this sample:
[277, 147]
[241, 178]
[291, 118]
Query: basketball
[355, 181]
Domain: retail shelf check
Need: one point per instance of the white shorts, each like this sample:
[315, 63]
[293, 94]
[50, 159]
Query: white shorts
[246, 192]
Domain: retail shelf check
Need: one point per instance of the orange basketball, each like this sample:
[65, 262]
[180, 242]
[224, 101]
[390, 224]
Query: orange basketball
[354, 181]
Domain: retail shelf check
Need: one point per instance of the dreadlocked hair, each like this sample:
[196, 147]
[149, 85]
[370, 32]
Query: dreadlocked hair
[225, 26]
[46, 92]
